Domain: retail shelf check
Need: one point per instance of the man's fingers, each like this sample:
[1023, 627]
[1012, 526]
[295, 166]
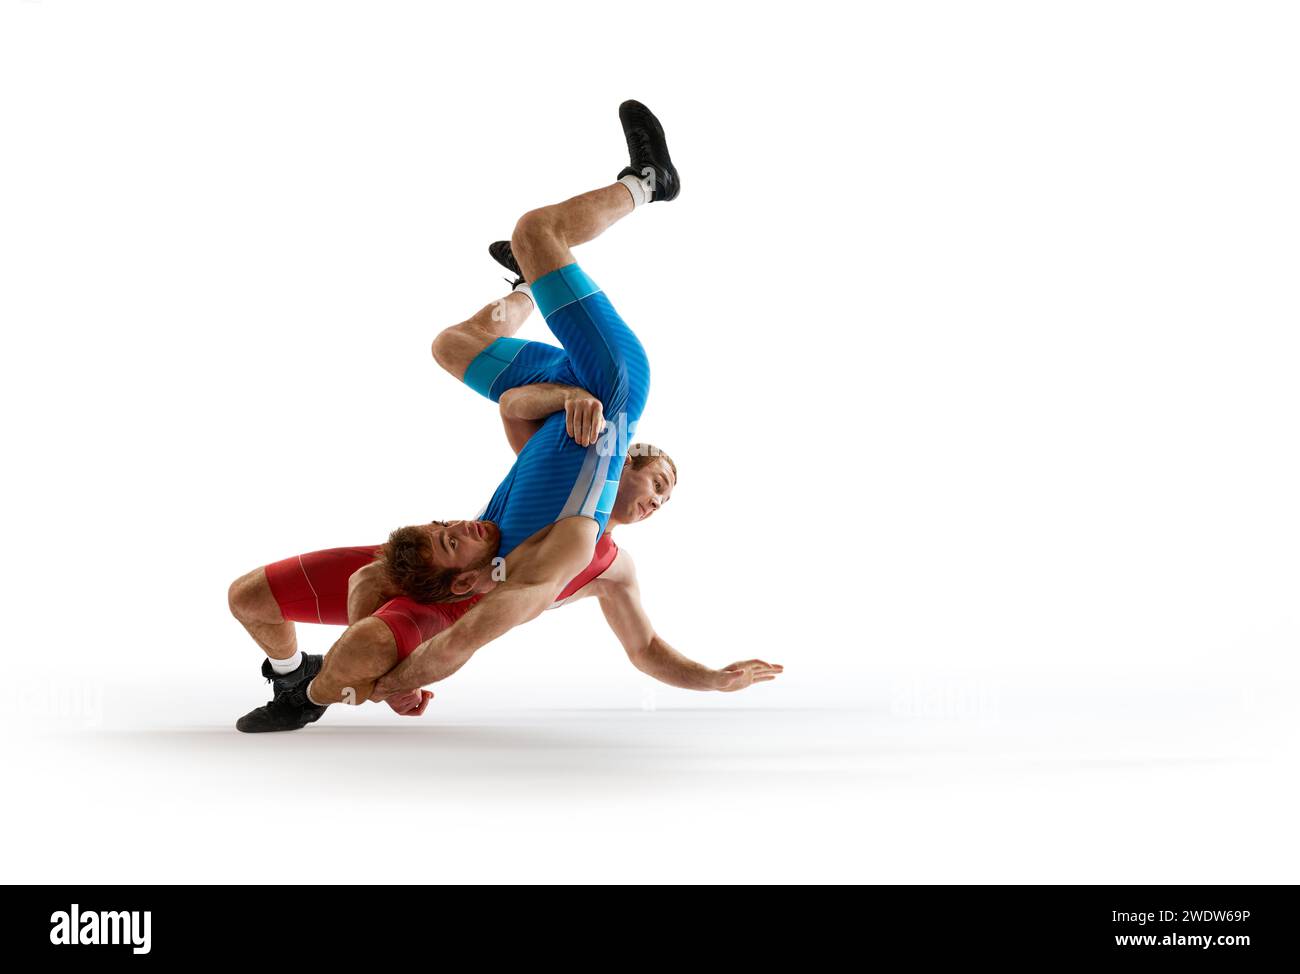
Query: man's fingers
[754, 671]
[410, 703]
[583, 421]
[402, 702]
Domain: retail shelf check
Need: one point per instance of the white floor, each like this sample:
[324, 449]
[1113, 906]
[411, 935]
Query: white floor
[1189, 784]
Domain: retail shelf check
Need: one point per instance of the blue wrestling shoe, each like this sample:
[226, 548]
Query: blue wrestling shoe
[648, 150]
[503, 255]
[289, 709]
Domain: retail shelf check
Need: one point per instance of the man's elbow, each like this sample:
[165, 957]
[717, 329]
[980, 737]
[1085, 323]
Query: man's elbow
[643, 657]
[507, 403]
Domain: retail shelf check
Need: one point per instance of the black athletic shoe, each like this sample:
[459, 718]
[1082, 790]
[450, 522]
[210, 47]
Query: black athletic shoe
[289, 709]
[503, 255]
[648, 150]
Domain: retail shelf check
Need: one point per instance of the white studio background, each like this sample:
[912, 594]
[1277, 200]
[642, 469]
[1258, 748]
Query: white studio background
[973, 335]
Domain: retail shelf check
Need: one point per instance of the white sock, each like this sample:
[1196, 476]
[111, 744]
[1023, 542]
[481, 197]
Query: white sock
[283, 666]
[523, 288]
[637, 187]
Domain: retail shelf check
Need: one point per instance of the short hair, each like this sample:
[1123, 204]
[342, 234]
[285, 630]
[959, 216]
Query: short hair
[642, 454]
[408, 564]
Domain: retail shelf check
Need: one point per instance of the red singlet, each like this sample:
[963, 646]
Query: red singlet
[314, 588]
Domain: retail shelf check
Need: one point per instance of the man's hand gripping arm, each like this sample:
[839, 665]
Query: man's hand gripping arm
[525, 408]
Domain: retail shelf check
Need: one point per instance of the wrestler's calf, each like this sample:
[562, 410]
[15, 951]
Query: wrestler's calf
[365, 652]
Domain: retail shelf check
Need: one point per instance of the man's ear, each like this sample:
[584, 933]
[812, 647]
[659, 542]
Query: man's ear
[474, 582]
[463, 584]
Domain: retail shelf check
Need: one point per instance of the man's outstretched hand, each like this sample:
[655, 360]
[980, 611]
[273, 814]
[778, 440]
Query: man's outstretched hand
[746, 673]
[410, 703]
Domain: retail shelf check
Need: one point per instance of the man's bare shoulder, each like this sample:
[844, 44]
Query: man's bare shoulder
[620, 576]
[621, 571]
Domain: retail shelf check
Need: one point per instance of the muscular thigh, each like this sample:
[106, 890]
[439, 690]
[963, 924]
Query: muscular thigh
[314, 587]
[509, 363]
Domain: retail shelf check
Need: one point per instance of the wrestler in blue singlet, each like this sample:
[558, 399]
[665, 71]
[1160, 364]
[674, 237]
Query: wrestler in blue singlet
[553, 477]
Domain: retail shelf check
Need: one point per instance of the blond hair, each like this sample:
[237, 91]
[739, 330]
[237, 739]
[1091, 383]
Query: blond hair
[641, 454]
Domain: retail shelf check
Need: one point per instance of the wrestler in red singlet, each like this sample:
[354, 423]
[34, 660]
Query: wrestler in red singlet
[314, 588]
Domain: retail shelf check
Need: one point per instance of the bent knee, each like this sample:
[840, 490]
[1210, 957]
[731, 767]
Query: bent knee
[537, 239]
[251, 599]
[539, 243]
[456, 347]
[444, 350]
[534, 226]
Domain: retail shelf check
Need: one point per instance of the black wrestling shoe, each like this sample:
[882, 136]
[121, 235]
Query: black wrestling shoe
[648, 150]
[503, 255]
[289, 709]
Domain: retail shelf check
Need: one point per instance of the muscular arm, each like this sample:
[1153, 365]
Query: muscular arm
[518, 431]
[535, 575]
[620, 601]
[525, 408]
